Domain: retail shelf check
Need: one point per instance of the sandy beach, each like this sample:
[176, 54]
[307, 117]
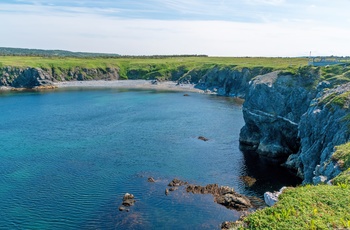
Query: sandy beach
[129, 84]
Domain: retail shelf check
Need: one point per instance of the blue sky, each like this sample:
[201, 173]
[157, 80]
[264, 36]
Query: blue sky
[147, 27]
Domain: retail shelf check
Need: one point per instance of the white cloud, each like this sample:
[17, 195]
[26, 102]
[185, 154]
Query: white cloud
[269, 2]
[87, 29]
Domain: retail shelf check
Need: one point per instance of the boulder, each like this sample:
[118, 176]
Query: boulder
[223, 195]
[272, 197]
[177, 182]
[128, 200]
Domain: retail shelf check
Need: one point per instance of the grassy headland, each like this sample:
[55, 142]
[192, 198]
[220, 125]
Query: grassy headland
[149, 67]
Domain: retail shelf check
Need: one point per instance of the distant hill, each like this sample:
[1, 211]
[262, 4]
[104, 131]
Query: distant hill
[5, 51]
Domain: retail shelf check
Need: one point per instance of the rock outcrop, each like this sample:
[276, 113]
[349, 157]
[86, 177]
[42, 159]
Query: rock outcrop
[272, 110]
[223, 195]
[296, 118]
[223, 81]
[35, 77]
[271, 198]
[325, 125]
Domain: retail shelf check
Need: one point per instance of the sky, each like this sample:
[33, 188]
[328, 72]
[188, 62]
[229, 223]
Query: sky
[271, 28]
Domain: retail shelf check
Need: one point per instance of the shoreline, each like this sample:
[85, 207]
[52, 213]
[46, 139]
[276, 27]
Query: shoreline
[114, 84]
[129, 84]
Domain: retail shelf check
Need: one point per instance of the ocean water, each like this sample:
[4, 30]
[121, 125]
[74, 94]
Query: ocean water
[69, 156]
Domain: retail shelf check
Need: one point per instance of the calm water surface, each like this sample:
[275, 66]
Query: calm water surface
[68, 157]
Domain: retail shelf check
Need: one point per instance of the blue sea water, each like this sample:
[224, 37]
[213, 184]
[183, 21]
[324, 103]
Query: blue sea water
[67, 158]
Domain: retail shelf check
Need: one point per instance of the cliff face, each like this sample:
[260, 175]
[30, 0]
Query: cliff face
[291, 117]
[32, 77]
[325, 125]
[272, 110]
[223, 81]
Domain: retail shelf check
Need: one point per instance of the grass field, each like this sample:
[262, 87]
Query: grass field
[150, 67]
[190, 62]
[306, 207]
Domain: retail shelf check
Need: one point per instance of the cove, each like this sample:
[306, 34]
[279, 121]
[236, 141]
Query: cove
[69, 156]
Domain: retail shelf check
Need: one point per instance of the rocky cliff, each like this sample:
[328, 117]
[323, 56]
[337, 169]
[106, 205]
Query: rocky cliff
[272, 110]
[224, 81]
[33, 77]
[293, 116]
[325, 124]
[227, 81]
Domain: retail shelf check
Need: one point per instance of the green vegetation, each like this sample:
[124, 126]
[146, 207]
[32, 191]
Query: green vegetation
[342, 178]
[151, 67]
[310, 207]
[5, 51]
[342, 155]
[342, 100]
[336, 74]
[306, 207]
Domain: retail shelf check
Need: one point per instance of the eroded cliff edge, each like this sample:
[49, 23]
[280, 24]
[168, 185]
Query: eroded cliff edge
[299, 118]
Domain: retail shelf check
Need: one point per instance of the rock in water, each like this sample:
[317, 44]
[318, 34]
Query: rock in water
[128, 199]
[223, 195]
[151, 179]
[128, 196]
[177, 182]
[249, 181]
[203, 138]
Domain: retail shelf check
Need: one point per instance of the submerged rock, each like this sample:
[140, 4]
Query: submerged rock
[151, 180]
[249, 181]
[203, 138]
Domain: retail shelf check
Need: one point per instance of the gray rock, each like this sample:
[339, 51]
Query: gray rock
[322, 127]
[272, 197]
[34, 77]
[272, 110]
[319, 179]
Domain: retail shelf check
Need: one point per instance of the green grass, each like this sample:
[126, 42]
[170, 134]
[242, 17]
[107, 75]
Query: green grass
[310, 207]
[151, 67]
[280, 63]
[342, 155]
[342, 100]
[306, 207]
[336, 74]
[342, 178]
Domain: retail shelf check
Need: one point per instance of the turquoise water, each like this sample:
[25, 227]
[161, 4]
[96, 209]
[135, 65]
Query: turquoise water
[68, 157]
